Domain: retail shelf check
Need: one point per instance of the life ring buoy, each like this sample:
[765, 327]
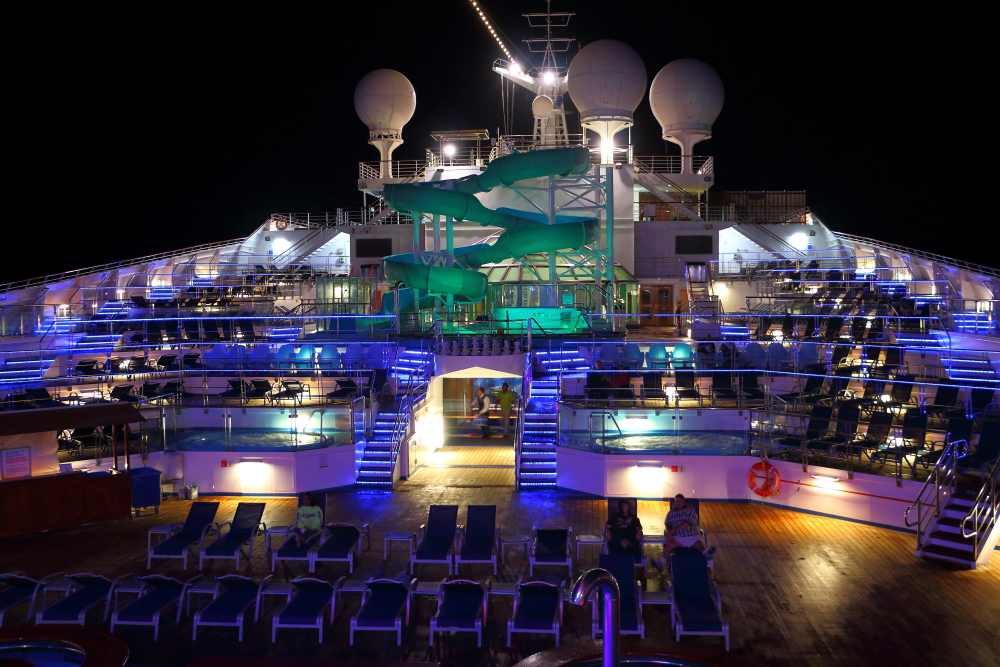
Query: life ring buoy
[281, 224]
[770, 479]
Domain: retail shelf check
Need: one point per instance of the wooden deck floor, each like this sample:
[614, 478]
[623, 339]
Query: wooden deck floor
[797, 589]
[467, 466]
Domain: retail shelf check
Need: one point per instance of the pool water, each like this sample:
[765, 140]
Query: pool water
[710, 443]
[246, 439]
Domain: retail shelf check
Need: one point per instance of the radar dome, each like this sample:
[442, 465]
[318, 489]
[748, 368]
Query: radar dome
[606, 80]
[385, 101]
[686, 97]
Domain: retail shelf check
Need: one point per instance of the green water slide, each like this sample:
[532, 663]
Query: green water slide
[524, 233]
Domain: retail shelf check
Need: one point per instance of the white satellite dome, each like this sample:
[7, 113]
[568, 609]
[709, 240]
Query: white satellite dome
[542, 106]
[686, 97]
[607, 80]
[385, 101]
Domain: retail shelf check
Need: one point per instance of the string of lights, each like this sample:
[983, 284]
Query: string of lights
[489, 26]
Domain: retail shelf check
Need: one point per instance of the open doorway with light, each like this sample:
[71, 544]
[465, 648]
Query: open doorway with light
[467, 430]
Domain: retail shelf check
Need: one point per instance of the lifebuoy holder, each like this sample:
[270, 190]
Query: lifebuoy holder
[764, 479]
[281, 224]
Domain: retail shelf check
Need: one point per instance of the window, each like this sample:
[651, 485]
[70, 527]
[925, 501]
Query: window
[694, 245]
[373, 247]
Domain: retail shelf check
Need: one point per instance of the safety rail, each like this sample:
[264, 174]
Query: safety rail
[521, 143]
[522, 408]
[406, 170]
[913, 252]
[462, 156]
[415, 391]
[341, 217]
[985, 510]
[941, 483]
[674, 164]
[604, 414]
[111, 266]
[770, 214]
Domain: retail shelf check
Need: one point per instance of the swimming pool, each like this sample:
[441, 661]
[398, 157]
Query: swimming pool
[704, 443]
[251, 439]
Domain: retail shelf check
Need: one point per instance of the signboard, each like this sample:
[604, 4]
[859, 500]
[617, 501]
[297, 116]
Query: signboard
[15, 462]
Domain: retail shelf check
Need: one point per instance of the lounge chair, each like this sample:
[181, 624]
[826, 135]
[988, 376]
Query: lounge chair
[383, 606]
[18, 589]
[638, 558]
[551, 546]
[289, 549]
[461, 608]
[479, 539]
[246, 331]
[88, 590]
[346, 389]
[242, 529]
[199, 523]
[813, 384]
[124, 392]
[685, 387]
[261, 389]
[340, 542]
[292, 390]
[40, 398]
[538, 608]
[622, 569]
[308, 606]
[987, 449]
[436, 538]
[819, 424]
[158, 592]
[695, 600]
[237, 389]
[722, 388]
[652, 387]
[233, 596]
[877, 434]
[958, 429]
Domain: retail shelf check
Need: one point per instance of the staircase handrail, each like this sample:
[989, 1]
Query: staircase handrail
[522, 407]
[984, 510]
[940, 482]
[913, 252]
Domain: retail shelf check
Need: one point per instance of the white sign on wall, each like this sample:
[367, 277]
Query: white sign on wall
[15, 462]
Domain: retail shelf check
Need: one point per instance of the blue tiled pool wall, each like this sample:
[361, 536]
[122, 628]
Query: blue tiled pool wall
[650, 431]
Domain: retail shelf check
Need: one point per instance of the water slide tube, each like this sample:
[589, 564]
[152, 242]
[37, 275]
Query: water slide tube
[524, 233]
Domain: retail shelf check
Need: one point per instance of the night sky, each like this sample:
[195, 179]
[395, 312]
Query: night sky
[145, 127]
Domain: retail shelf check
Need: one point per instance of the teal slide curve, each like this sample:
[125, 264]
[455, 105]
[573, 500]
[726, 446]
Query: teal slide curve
[525, 232]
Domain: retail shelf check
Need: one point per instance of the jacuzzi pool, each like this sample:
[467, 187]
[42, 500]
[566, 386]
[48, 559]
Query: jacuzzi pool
[705, 443]
[251, 439]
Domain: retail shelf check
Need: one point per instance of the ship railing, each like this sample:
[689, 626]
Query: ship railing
[461, 156]
[978, 269]
[674, 164]
[405, 170]
[521, 143]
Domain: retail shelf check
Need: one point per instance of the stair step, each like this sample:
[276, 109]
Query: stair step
[957, 555]
[955, 538]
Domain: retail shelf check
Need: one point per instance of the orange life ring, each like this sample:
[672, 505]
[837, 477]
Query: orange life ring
[281, 224]
[771, 479]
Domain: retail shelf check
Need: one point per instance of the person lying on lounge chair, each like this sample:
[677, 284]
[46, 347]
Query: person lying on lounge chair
[681, 529]
[623, 531]
[308, 520]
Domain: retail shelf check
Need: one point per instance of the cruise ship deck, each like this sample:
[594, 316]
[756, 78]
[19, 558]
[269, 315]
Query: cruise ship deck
[797, 589]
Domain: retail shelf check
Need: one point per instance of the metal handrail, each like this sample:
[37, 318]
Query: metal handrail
[604, 415]
[985, 510]
[941, 481]
[969, 266]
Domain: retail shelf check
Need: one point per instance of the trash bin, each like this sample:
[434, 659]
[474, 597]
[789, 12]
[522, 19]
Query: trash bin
[145, 488]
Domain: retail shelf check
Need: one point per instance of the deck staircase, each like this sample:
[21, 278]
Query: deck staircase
[972, 322]
[956, 526]
[410, 375]
[536, 467]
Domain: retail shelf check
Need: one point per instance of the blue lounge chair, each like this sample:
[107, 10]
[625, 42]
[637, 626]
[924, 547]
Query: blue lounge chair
[639, 558]
[436, 539]
[88, 590]
[383, 606]
[695, 601]
[622, 569]
[461, 608]
[340, 542]
[308, 606]
[289, 549]
[551, 546]
[479, 539]
[18, 588]
[242, 529]
[538, 608]
[233, 596]
[158, 592]
[199, 523]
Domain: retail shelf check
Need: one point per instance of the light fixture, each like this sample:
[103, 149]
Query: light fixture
[252, 460]
[514, 67]
[449, 150]
[649, 464]
[826, 478]
[548, 78]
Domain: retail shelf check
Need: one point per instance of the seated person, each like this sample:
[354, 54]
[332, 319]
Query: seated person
[621, 390]
[623, 531]
[681, 530]
[308, 520]
[597, 383]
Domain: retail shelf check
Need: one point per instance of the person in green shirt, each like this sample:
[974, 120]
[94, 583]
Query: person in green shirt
[308, 520]
[507, 397]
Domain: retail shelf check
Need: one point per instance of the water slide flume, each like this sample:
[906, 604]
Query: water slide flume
[524, 233]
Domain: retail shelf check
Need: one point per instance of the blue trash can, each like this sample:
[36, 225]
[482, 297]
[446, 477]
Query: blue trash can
[145, 488]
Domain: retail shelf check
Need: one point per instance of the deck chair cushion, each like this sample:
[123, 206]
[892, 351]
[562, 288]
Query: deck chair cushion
[384, 604]
[94, 590]
[460, 606]
[229, 605]
[313, 597]
[145, 608]
[622, 568]
[176, 544]
[342, 540]
[695, 604]
[539, 605]
[434, 547]
[228, 543]
[20, 589]
[290, 550]
[478, 548]
[551, 544]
